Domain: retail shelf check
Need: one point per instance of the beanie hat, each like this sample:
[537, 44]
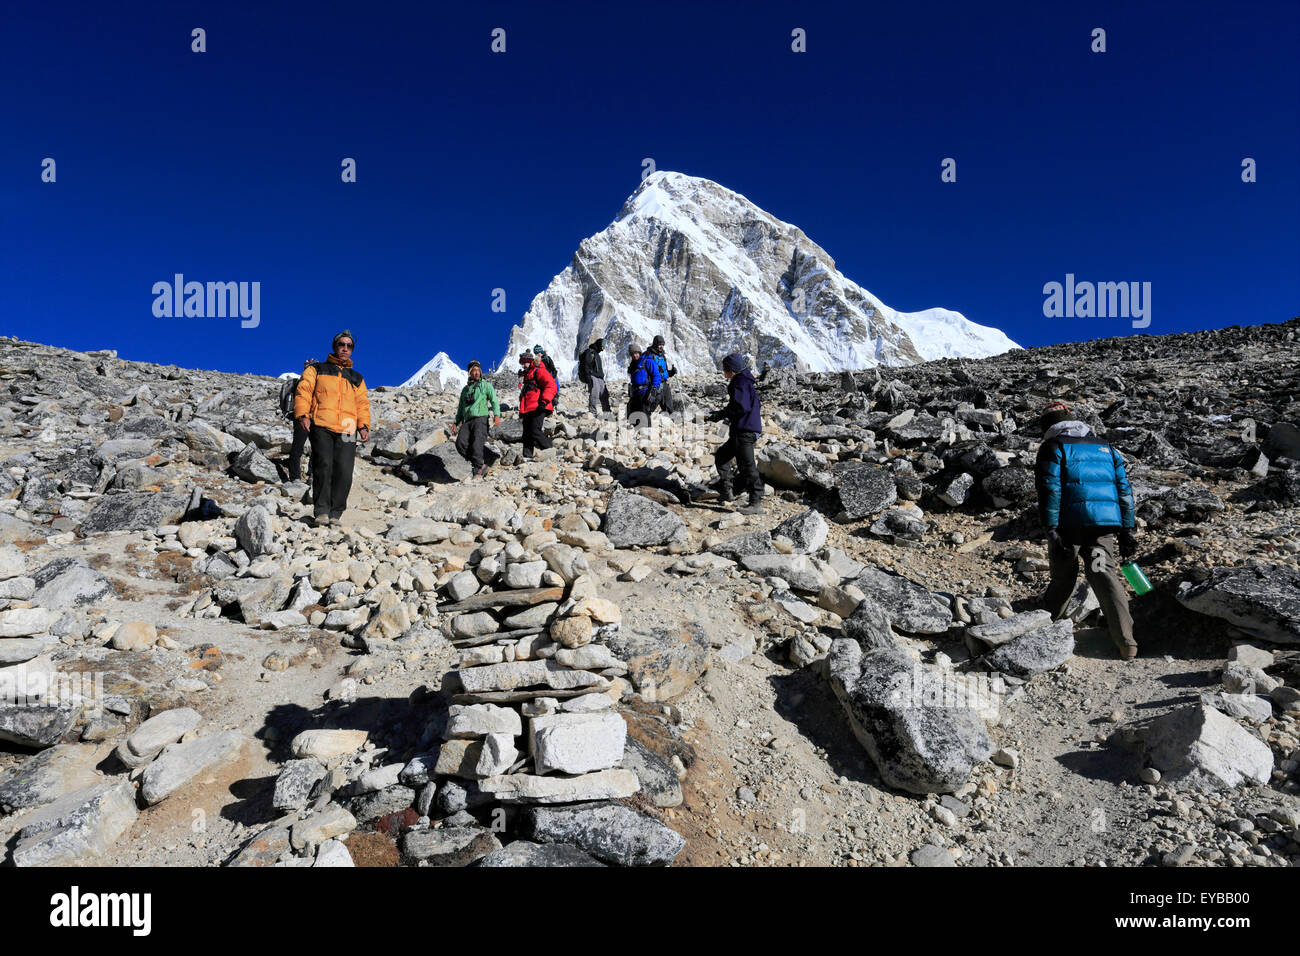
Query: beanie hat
[474, 363]
[539, 350]
[345, 334]
[734, 362]
[525, 356]
[1054, 413]
[634, 349]
[658, 342]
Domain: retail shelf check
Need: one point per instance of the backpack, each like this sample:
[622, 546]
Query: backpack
[287, 392]
[584, 368]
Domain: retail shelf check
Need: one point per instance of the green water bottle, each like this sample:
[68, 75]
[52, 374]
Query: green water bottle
[1136, 579]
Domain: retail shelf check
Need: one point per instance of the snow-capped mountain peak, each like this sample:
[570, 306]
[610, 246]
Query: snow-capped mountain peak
[713, 273]
[440, 372]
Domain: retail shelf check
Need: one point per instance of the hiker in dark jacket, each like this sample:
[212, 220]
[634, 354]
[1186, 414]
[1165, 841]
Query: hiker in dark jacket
[300, 434]
[478, 400]
[550, 368]
[591, 371]
[1085, 502]
[744, 414]
[634, 359]
[665, 373]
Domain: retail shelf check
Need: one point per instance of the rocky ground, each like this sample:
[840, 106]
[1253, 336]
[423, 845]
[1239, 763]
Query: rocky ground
[587, 659]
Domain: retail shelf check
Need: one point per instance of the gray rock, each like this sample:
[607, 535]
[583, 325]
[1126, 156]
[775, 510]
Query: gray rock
[450, 846]
[956, 491]
[160, 730]
[440, 465]
[48, 775]
[899, 523]
[372, 806]
[134, 511]
[1196, 747]
[1263, 601]
[789, 466]
[1248, 707]
[527, 853]
[254, 532]
[295, 782]
[632, 520]
[1036, 651]
[931, 855]
[895, 708]
[1010, 486]
[251, 465]
[577, 743]
[910, 607]
[36, 725]
[613, 784]
[869, 626]
[658, 779]
[78, 827]
[663, 663]
[801, 571]
[807, 530]
[741, 545]
[178, 764]
[862, 490]
[1005, 629]
[610, 832]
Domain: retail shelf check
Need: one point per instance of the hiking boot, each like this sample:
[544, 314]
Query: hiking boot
[322, 521]
[480, 471]
[1127, 652]
[725, 492]
[755, 506]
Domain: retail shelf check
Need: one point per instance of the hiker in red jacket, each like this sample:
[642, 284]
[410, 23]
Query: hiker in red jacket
[537, 390]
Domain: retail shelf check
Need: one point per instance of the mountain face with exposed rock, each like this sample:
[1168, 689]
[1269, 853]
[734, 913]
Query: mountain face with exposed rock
[713, 273]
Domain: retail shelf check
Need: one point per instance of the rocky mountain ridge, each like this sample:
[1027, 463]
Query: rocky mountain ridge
[588, 648]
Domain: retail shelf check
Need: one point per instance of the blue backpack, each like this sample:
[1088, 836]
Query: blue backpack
[647, 374]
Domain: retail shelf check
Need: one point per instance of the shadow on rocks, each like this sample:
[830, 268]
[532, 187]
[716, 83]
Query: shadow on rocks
[254, 807]
[806, 700]
[1108, 764]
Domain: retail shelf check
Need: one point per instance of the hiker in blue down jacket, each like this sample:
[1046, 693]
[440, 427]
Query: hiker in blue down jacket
[1084, 501]
[744, 413]
[644, 387]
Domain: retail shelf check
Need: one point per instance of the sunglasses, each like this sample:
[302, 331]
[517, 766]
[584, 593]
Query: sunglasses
[344, 345]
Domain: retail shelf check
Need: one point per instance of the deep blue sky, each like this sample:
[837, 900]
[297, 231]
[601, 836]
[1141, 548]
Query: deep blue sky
[478, 171]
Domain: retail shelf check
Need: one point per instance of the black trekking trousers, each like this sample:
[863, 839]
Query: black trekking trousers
[534, 437]
[739, 447]
[300, 436]
[470, 438]
[332, 459]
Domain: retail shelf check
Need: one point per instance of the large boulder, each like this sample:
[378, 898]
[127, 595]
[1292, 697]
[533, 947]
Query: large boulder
[1041, 649]
[1197, 747]
[910, 607]
[254, 532]
[134, 511]
[789, 466]
[861, 490]
[1263, 601]
[802, 572]
[632, 520]
[920, 738]
[440, 465]
[251, 465]
[663, 664]
[807, 530]
[1010, 486]
[78, 827]
[608, 831]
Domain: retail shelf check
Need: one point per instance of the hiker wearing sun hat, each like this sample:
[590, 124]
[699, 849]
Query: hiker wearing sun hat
[1085, 502]
[332, 405]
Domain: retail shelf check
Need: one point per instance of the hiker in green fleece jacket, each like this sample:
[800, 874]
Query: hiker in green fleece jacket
[478, 399]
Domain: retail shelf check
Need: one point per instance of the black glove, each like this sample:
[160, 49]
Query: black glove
[718, 416]
[1128, 543]
[672, 371]
[1054, 540]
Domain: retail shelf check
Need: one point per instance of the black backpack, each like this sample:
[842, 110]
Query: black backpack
[287, 392]
[584, 368]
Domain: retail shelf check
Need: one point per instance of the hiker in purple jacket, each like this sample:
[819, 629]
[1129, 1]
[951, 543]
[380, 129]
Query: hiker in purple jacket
[743, 413]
